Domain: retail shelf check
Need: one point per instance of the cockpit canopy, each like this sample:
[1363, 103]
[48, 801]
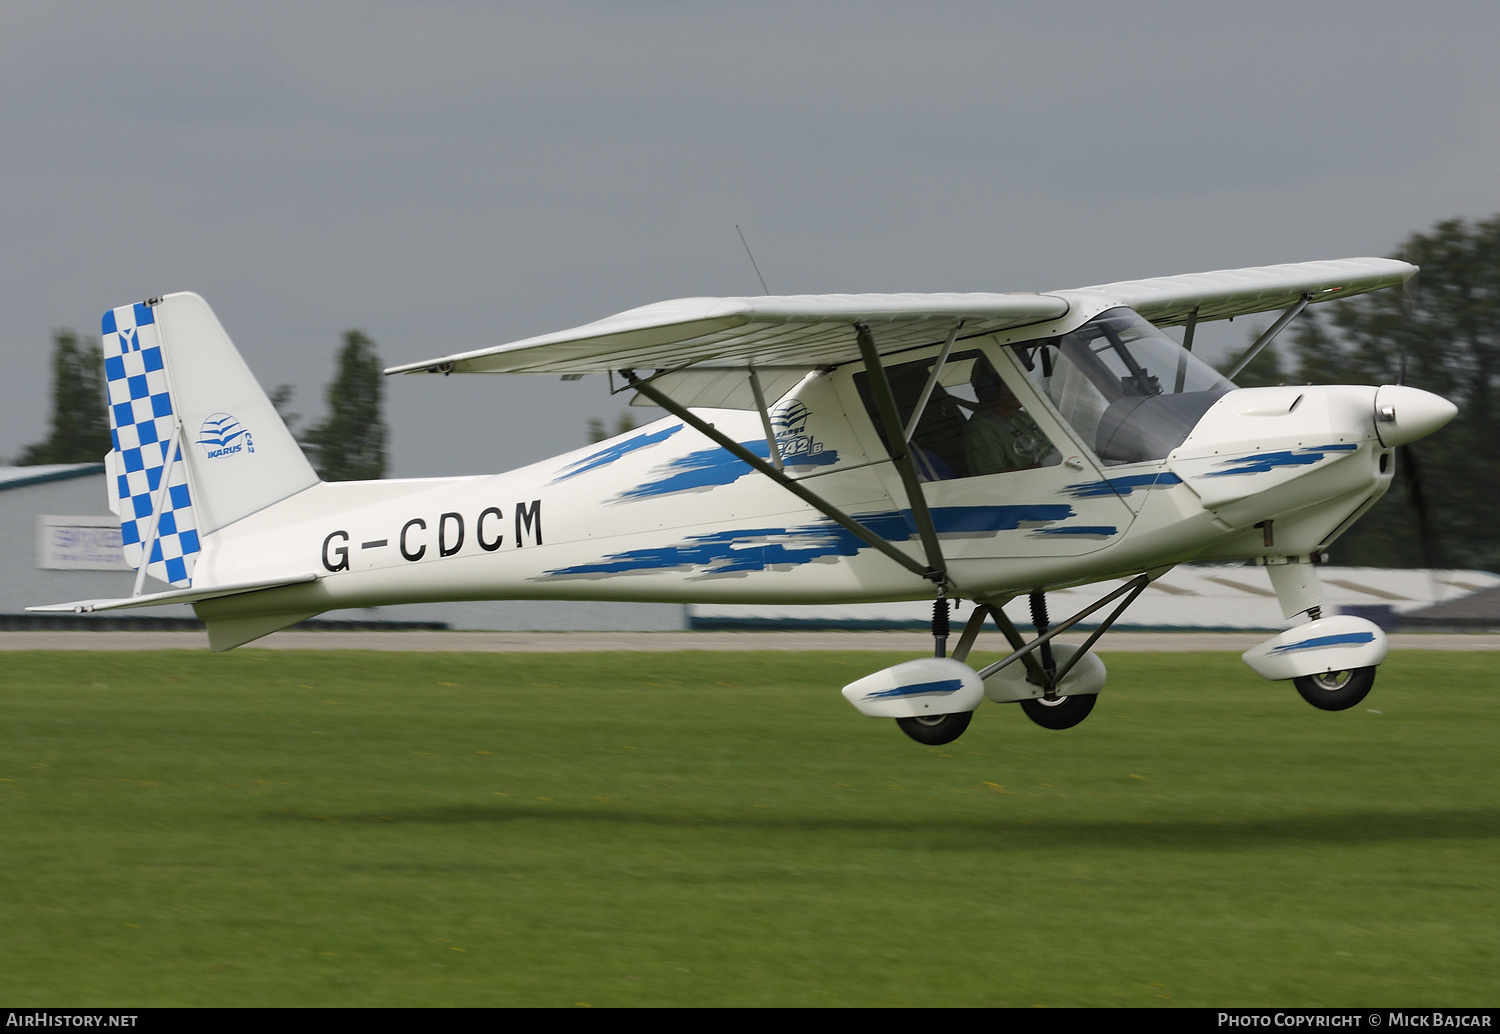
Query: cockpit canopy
[1125, 387]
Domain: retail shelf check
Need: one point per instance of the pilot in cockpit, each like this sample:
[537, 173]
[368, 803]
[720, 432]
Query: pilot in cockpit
[1000, 434]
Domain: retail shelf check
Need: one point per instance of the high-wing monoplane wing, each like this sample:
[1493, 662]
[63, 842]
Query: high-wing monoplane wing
[1170, 300]
[793, 330]
[802, 331]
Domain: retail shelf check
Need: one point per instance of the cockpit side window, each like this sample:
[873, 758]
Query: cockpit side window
[1123, 385]
[972, 424]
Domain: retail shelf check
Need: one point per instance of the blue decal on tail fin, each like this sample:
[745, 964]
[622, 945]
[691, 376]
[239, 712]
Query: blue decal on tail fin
[143, 424]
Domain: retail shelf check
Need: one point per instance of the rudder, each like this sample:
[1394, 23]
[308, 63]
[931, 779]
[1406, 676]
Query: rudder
[182, 403]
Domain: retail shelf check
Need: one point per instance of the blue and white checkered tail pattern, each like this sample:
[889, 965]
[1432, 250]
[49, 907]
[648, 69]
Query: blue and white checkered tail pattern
[142, 423]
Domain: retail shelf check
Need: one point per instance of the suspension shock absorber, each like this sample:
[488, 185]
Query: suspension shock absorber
[1039, 620]
[940, 624]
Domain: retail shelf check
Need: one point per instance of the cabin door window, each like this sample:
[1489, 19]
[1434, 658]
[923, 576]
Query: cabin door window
[972, 425]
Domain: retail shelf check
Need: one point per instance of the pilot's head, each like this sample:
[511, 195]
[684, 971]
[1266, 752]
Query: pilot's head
[987, 385]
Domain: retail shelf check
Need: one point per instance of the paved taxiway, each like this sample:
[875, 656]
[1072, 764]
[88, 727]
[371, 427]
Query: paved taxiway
[569, 642]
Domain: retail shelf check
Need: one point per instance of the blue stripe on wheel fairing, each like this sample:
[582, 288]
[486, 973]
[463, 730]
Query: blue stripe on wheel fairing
[1343, 639]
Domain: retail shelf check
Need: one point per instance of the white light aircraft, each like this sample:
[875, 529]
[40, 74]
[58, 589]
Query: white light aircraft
[818, 448]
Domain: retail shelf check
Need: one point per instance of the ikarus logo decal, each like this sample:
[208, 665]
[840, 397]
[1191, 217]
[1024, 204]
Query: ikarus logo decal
[222, 435]
[797, 447]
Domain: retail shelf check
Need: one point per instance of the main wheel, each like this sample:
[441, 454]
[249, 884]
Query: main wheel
[935, 730]
[1059, 712]
[1337, 690]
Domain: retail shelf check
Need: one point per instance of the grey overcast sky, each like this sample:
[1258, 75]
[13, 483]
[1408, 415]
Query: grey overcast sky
[446, 175]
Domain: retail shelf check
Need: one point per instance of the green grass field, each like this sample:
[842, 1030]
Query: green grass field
[269, 828]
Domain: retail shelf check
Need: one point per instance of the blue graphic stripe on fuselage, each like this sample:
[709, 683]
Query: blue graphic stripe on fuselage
[610, 453]
[1262, 462]
[960, 520]
[710, 468]
[1123, 485]
[745, 550]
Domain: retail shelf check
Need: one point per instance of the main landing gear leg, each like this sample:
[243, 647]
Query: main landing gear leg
[1051, 711]
[935, 730]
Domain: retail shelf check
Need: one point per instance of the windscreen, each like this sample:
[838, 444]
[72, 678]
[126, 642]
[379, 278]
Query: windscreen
[1129, 390]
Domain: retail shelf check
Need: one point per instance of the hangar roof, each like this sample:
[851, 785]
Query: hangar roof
[19, 477]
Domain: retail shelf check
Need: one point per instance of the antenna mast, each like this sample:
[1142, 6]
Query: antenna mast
[746, 243]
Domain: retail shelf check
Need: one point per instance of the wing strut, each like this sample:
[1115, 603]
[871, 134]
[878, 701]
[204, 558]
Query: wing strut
[1187, 346]
[849, 524]
[1025, 651]
[772, 447]
[1266, 338]
[900, 452]
[926, 396]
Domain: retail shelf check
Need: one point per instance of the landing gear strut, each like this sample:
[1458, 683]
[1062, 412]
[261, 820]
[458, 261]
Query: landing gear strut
[935, 730]
[1051, 711]
[1045, 668]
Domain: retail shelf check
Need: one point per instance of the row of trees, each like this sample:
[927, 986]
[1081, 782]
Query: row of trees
[80, 423]
[348, 445]
[596, 432]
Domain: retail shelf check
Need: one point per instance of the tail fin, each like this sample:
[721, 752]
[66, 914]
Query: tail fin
[182, 403]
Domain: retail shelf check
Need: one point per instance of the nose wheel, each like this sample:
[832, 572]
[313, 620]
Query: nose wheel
[1336, 690]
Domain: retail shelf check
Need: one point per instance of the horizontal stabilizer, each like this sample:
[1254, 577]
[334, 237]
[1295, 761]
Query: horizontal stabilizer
[225, 633]
[152, 599]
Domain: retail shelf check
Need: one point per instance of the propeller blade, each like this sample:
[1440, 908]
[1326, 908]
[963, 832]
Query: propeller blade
[1412, 478]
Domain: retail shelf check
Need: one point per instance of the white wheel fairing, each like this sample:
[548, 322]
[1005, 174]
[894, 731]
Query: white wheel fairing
[923, 688]
[1332, 644]
[1009, 684]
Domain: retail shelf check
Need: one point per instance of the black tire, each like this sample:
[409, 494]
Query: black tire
[1337, 690]
[935, 730]
[1059, 713]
